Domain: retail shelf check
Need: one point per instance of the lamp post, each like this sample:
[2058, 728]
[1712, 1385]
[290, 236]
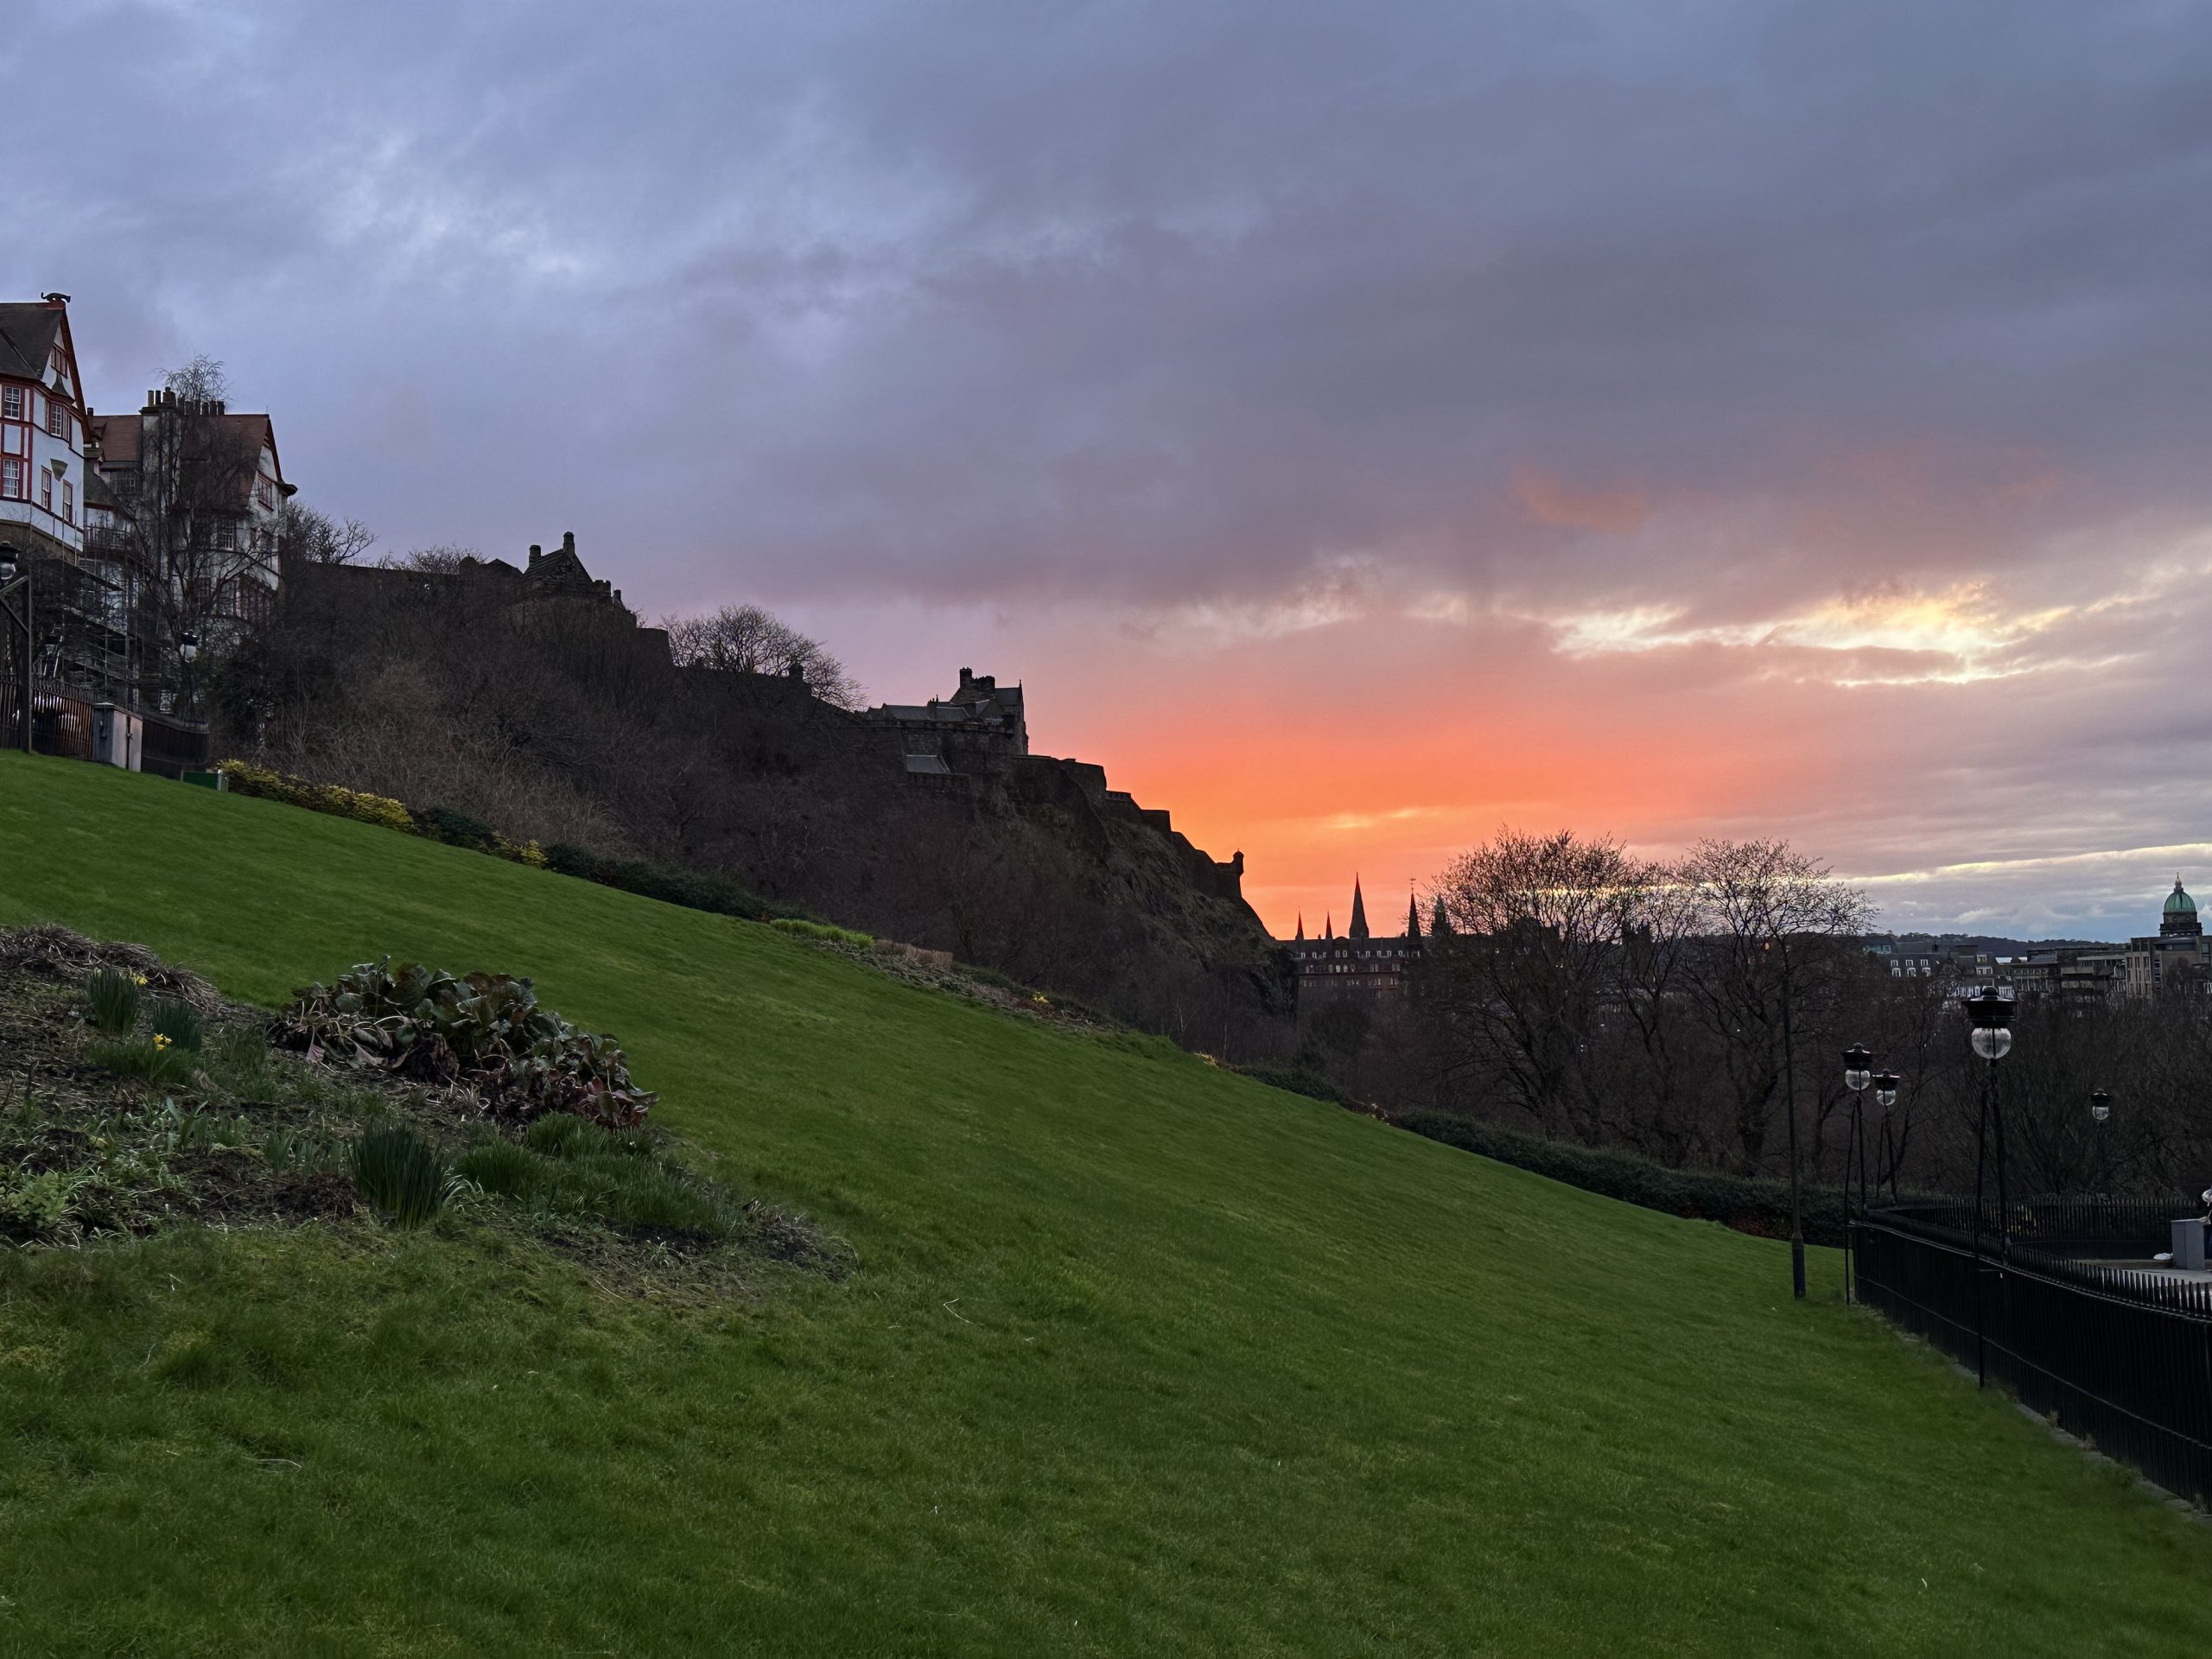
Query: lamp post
[1790, 1090]
[15, 583]
[1989, 1020]
[187, 649]
[1857, 1074]
[2101, 1110]
[1886, 1095]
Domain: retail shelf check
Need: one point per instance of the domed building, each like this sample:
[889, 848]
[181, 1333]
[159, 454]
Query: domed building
[2179, 920]
[2174, 960]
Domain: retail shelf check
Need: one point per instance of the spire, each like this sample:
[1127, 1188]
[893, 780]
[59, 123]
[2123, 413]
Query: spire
[1301, 928]
[1329, 927]
[1358, 928]
[1439, 923]
[1413, 914]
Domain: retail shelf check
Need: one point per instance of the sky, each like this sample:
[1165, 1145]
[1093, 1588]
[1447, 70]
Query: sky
[1360, 428]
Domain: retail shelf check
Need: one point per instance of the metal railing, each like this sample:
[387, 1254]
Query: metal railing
[2120, 1356]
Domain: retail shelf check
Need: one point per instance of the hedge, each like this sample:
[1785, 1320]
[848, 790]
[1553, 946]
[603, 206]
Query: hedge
[433, 823]
[693, 892]
[1748, 1204]
[1298, 1080]
[798, 927]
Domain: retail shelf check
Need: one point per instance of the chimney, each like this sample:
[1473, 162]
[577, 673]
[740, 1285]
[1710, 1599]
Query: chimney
[568, 543]
[55, 299]
[796, 670]
[536, 554]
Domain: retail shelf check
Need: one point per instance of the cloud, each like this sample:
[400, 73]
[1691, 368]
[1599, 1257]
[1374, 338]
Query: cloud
[1770, 381]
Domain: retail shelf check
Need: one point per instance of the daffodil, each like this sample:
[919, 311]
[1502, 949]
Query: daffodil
[160, 1041]
[137, 979]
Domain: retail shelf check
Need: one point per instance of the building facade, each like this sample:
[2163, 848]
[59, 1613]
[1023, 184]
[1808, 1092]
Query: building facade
[43, 432]
[1355, 966]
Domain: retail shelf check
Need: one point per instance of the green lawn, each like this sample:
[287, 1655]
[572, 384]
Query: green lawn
[1139, 1358]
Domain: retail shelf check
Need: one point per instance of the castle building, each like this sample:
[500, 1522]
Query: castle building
[981, 726]
[1356, 966]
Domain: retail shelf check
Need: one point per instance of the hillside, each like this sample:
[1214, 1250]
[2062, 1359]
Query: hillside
[1139, 1357]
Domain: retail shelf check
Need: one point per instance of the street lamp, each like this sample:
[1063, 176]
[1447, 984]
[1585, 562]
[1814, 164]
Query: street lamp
[187, 647]
[1886, 1095]
[2101, 1110]
[1857, 1074]
[16, 581]
[1989, 1022]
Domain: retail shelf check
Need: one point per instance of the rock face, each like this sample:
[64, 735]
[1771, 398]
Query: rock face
[931, 822]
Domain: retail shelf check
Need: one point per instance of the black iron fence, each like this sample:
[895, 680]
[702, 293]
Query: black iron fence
[2120, 1356]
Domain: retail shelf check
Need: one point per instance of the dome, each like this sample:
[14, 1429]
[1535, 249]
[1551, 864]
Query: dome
[2179, 903]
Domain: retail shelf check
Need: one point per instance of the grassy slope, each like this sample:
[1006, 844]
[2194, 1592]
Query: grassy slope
[1142, 1357]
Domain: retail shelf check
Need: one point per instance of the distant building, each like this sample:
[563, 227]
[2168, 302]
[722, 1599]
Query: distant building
[1356, 966]
[2177, 960]
[981, 727]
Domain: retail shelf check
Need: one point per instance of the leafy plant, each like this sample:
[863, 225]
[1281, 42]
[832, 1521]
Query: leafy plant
[38, 1206]
[156, 1058]
[486, 1032]
[114, 998]
[178, 1023]
[401, 1174]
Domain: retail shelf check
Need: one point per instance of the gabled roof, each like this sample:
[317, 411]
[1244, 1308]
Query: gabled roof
[119, 436]
[27, 335]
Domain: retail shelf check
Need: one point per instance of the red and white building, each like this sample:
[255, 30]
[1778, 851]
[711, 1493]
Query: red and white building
[43, 432]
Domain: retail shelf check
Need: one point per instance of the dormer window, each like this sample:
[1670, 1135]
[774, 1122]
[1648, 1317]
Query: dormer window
[57, 419]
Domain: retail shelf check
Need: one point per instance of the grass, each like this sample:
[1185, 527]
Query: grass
[568, 1166]
[1140, 1357]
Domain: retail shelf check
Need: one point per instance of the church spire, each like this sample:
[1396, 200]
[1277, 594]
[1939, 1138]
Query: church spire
[1329, 927]
[1413, 914]
[1358, 929]
[1301, 928]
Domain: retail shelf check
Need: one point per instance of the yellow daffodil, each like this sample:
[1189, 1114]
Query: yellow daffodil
[160, 1041]
[137, 979]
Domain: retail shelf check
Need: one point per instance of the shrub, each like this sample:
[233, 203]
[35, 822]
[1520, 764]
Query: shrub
[399, 1172]
[1747, 1204]
[485, 1031]
[1298, 1080]
[178, 1022]
[114, 998]
[438, 823]
[708, 893]
[456, 829]
[802, 929]
[317, 797]
[156, 1058]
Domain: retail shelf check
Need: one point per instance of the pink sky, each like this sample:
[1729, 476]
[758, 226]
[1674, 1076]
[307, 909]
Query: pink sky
[1361, 428]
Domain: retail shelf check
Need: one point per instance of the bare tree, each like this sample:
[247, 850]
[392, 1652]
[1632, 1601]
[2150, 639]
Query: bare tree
[1533, 955]
[1776, 927]
[201, 566]
[745, 640]
[306, 537]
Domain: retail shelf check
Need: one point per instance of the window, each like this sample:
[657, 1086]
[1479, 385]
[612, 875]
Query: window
[11, 480]
[266, 492]
[57, 419]
[68, 504]
[12, 402]
[46, 489]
